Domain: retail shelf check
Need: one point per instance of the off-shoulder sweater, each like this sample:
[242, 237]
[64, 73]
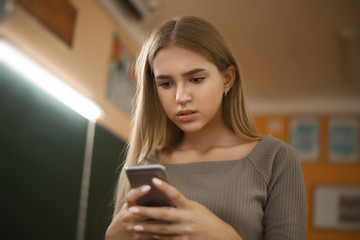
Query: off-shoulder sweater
[262, 196]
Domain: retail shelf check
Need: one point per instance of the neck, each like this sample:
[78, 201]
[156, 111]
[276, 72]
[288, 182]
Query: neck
[212, 136]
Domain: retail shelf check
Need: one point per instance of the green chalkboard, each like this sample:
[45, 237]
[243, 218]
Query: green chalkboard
[108, 154]
[42, 145]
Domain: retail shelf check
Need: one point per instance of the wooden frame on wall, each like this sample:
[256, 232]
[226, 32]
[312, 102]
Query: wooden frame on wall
[58, 16]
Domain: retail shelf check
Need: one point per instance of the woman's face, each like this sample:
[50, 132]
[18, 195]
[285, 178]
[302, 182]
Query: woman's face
[189, 87]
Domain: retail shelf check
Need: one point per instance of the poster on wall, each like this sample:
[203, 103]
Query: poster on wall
[336, 207]
[343, 140]
[304, 137]
[275, 126]
[120, 86]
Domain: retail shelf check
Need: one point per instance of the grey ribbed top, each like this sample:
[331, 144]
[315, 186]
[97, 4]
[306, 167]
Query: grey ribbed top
[262, 196]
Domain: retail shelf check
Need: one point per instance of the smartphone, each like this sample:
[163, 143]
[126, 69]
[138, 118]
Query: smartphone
[143, 175]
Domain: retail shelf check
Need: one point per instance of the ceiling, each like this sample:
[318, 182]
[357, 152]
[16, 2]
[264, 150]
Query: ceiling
[286, 49]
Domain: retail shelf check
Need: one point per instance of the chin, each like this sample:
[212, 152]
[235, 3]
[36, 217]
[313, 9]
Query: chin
[190, 129]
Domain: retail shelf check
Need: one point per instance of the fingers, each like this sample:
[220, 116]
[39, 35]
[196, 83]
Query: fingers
[136, 193]
[141, 236]
[164, 229]
[178, 199]
[171, 218]
[162, 214]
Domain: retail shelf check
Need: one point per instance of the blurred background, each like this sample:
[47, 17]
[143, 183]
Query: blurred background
[300, 61]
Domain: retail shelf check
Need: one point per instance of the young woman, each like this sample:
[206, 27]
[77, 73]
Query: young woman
[227, 182]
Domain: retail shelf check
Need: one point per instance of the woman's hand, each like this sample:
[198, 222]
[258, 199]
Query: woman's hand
[122, 225]
[189, 220]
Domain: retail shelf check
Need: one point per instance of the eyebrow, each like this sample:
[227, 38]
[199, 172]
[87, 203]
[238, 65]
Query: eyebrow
[191, 72]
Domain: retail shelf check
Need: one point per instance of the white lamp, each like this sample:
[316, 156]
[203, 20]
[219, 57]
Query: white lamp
[41, 77]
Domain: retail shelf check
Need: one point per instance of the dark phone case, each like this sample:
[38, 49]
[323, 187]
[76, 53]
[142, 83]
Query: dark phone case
[143, 175]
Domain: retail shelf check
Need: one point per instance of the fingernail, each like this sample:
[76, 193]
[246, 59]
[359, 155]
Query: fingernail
[145, 188]
[138, 228]
[134, 210]
[157, 181]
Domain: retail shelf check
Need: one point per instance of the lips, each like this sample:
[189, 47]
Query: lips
[184, 112]
[186, 115]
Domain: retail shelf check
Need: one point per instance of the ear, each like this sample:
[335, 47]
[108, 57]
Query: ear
[229, 76]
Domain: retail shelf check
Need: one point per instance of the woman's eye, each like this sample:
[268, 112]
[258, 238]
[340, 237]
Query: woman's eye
[165, 84]
[197, 79]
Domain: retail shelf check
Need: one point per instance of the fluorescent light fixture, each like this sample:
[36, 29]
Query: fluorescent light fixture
[41, 77]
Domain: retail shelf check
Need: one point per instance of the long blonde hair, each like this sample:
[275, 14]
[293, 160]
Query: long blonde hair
[152, 130]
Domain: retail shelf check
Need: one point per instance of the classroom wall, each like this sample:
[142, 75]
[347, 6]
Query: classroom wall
[85, 64]
[43, 159]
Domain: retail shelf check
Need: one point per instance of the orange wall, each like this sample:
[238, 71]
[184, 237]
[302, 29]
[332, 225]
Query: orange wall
[320, 172]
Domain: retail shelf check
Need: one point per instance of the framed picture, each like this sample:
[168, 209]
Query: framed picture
[304, 137]
[336, 207]
[343, 140]
[120, 86]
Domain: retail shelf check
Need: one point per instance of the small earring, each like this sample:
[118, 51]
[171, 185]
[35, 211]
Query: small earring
[225, 93]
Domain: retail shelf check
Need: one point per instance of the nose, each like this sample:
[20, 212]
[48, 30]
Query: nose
[182, 95]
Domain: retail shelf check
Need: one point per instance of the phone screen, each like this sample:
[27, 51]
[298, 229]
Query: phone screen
[143, 175]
